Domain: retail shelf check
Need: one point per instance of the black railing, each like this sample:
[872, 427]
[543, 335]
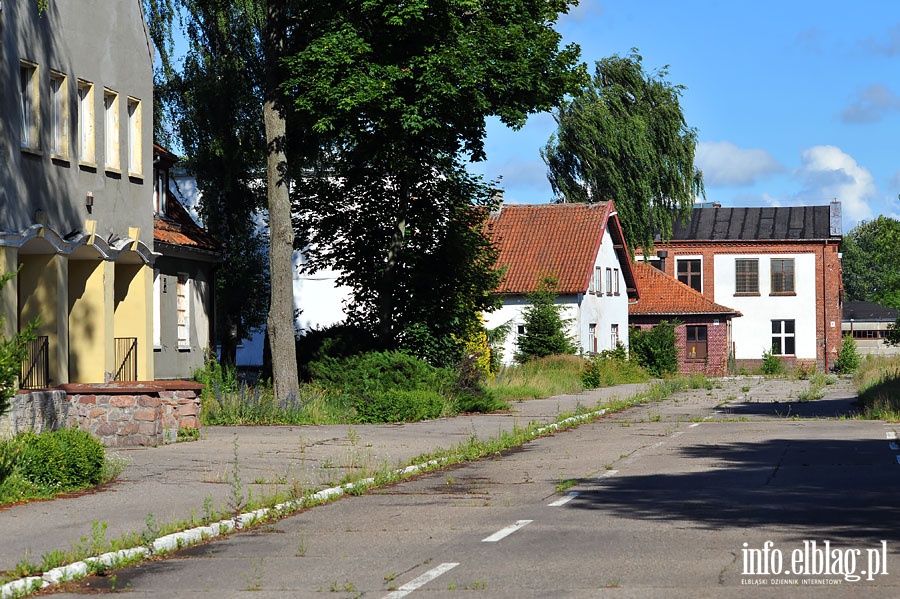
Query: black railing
[126, 359]
[36, 366]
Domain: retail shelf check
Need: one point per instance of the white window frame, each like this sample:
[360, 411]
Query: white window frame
[29, 106]
[183, 311]
[87, 148]
[609, 287]
[782, 335]
[686, 259]
[613, 336]
[59, 116]
[615, 281]
[111, 131]
[592, 337]
[135, 138]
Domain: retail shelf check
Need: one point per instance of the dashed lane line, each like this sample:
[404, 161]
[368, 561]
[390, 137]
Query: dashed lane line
[505, 532]
[421, 580]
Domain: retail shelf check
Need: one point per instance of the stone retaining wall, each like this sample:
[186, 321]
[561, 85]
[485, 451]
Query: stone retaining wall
[119, 414]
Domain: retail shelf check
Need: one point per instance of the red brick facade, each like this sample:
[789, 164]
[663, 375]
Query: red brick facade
[828, 288]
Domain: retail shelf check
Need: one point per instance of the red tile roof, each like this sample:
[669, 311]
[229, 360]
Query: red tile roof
[561, 240]
[662, 295]
[177, 227]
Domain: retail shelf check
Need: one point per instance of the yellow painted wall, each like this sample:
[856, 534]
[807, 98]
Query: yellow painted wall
[91, 346]
[134, 310]
[43, 296]
[8, 294]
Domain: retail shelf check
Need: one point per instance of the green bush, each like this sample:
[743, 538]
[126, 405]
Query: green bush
[398, 405]
[772, 364]
[60, 461]
[378, 371]
[848, 358]
[654, 349]
[611, 367]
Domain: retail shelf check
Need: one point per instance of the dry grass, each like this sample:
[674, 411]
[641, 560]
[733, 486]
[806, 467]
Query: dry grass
[878, 385]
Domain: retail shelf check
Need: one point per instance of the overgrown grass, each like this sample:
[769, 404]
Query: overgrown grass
[542, 377]
[878, 387]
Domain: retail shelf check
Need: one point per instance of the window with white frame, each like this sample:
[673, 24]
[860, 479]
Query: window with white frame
[616, 281]
[689, 272]
[783, 338]
[135, 122]
[59, 116]
[111, 131]
[160, 188]
[613, 336]
[592, 337]
[29, 106]
[609, 284]
[86, 148]
[183, 308]
[597, 280]
[782, 275]
[746, 276]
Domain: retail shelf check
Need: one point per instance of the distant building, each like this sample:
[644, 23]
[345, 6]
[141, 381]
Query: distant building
[703, 334]
[868, 324]
[779, 267]
[583, 248]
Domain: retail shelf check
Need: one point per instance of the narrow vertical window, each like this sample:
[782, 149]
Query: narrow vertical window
[160, 188]
[111, 121]
[135, 167]
[183, 307]
[157, 309]
[746, 275]
[86, 152]
[609, 287]
[783, 275]
[592, 337]
[616, 280]
[29, 106]
[598, 280]
[59, 116]
[613, 336]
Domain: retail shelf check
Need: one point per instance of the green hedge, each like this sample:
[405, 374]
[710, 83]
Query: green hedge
[60, 461]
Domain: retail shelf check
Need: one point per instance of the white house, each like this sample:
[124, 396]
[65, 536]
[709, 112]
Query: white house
[583, 248]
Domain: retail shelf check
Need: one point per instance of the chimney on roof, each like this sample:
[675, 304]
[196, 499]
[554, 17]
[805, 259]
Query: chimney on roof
[836, 228]
[717, 205]
[662, 255]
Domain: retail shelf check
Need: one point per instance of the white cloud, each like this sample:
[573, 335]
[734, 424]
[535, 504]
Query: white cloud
[890, 48]
[829, 173]
[871, 105]
[586, 9]
[726, 165]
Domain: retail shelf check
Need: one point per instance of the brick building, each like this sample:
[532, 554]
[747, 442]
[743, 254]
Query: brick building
[703, 335]
[779, 267]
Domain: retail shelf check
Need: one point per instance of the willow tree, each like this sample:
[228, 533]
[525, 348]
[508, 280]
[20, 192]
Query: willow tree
[623, 137]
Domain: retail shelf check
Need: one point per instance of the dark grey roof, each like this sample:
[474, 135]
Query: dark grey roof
[867, 311]
[732, 224]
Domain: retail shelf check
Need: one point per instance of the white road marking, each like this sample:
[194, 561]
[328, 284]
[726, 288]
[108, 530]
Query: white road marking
[564, 500]
[501, 534]
[694, 425]
[420, 581]
[609, 473]
[891, 434]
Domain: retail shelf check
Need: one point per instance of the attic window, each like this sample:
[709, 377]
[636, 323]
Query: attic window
[160, 186]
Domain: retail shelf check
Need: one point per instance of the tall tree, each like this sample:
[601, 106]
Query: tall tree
[869, 262]
[623, 137]
[225, 107]
[400, 94]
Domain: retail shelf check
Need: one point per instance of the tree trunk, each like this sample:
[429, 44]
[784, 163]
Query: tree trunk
[280, 322]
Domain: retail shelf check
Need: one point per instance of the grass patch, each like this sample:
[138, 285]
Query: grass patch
[877, 383]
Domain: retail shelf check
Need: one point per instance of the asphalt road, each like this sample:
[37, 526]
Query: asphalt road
[761, 496]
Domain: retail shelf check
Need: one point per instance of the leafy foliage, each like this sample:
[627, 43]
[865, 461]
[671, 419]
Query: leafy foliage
[12, 353]
[398, 96]
[545, 329]
[62, 460]
[611, 367]
[848, 358]
[772, 364]
[623, 137]
[869, 262]
[654, 348]
[892, 337]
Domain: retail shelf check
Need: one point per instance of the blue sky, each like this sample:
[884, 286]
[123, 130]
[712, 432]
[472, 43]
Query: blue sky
[795, 102]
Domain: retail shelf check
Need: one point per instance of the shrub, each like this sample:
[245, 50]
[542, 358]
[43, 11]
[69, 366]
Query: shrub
[62, 460]
[378, 371]
[611, 367]
[848, 358]
[772, 364]
[399, 405]
[654, 349]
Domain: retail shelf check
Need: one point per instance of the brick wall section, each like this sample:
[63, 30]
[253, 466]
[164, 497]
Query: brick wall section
[716, 362]
[119, 414]
[828, 281]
